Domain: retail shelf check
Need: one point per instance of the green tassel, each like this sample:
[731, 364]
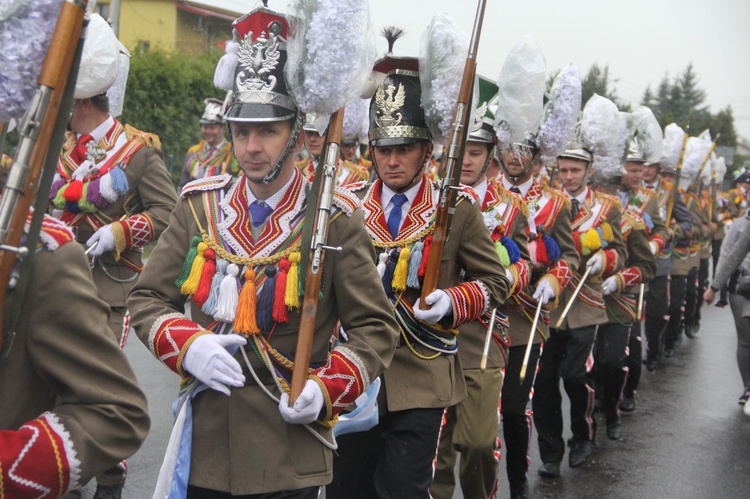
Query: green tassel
[188, 264]
[502, 252]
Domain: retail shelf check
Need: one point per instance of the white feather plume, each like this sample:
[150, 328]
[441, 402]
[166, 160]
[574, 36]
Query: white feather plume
[648, 131]
[696, 153]
[521, 86]
[442, 57]
[25, 32]
[605, 132]
[356, 120]
[560, 114]
[674, 137]
[330, 54]
[720, 170]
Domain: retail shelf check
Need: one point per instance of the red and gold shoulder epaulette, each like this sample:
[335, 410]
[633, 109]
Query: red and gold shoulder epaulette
[345, 200]
[631, 221]
[359, 169]
[513, 199]
[357, 186]
[54, 232]
[612, 201]
[197, 147]
[466, 192]
[148, 139]
[206, 184]
[301, 164]
[557, 195]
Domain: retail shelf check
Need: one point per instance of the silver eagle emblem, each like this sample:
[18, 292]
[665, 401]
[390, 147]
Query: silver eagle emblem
[388, 104]
[259, 61]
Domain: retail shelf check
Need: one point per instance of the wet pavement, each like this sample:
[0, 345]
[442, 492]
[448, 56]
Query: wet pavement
[688, 438]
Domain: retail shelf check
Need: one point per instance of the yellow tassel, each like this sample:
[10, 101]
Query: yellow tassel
[191, 284]
[592, 241]
[607, 232]
[245, 321]
[120, 242]
[291, 295]
[402, 270]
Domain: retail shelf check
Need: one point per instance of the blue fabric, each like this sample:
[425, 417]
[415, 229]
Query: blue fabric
[514, 252]
[394, 218]
[259, 212]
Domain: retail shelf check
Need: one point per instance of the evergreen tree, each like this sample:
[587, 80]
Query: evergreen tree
[648, 99]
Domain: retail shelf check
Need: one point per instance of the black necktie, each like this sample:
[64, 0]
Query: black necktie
[575, 206]
[515, 190]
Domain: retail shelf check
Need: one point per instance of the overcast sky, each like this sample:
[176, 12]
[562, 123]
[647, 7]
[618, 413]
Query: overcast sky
[640, 40]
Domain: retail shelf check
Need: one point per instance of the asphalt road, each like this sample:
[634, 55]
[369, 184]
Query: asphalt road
[688, 438]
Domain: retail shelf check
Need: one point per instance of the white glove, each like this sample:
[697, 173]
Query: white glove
[306, 408]
[609, 285]
[544, 292]
[105, 240]
[509, 275]
[208, 360]
[441, 306]
[654, 247]
[596, 263]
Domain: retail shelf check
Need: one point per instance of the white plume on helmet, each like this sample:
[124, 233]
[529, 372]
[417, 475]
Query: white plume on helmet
[605, 133]
[99, 59]
[674, 137]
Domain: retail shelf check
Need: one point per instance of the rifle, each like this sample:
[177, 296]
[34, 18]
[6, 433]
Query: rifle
[314, 270]
[453, 156]
[46, 112]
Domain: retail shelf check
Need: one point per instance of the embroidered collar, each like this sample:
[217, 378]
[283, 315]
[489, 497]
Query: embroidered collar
[418, 219]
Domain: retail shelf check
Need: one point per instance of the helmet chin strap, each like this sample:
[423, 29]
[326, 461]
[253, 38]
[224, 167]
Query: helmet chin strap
[276, 170]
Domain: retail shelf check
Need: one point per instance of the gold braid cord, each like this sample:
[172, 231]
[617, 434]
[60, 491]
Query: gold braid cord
[236, 259]
[405, 242]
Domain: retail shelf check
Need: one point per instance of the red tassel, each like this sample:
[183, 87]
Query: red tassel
[280, 313]
[425, 256]
[541, 251]
[207, 275]
[73, 191]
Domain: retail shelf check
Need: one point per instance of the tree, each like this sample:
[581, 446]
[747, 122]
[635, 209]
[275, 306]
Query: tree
[597, 82]
[648, 98]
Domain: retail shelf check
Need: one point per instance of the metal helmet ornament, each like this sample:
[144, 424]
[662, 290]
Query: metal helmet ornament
[253, 70]
[576, 149]
[480, 128]
[212, 114]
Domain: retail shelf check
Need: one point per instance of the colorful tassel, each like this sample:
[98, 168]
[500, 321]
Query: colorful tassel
[402, 269]
[209, 307]
[264, 310]
[280, 312]
[390, 269]
[415, 261]
[56, 185]
[649, 221]
[226, 307]
[553, 249]
[207, 274]
[59, 200]
[592, 241]
[425, 256]
[84, 203]
[73, 191]
[541, 253]
[607, 233]
[105, 188]
[382, 260]
[502, 253]
[245, 321]
[190, 286]
[514, 252]
[291, 294]
[119, 180]
[94, 196]
[188, 263]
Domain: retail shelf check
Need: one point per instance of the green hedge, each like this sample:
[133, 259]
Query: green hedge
[165, 95]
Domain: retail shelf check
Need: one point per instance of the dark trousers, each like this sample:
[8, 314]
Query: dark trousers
[677, 294]
[514, 410]
[610, 355]
[634, 362]
[696, 286]
[567, 355]
[715, 250]
[306, 493]
[657, 310]
[392, 460]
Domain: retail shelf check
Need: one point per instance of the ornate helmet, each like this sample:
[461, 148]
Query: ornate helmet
[481, 128]
[576, 148]
[259, 91]
[635, 154]
[309, 125]
[647, 143]
[396, 114]
[212, 112]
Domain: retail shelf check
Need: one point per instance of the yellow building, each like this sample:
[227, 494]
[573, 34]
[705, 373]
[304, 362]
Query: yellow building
[175, 26]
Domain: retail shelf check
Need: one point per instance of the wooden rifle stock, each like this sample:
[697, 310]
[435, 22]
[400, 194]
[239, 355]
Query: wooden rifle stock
[452, 163]
[36, 130]
[314, 271]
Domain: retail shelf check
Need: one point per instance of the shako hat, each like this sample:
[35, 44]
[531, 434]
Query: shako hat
[212, 112]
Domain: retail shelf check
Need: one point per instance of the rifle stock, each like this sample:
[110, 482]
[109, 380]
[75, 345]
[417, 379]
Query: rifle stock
[36, 131]
[314, 270]
[450, 181]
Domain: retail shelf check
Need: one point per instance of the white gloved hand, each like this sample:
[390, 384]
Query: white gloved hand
[510, 277]
[544, 292]
[208, 360]
[596, 263]
[609, 285]
[654, 247]
[441, 306]
[105, 240]
[306, 408]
